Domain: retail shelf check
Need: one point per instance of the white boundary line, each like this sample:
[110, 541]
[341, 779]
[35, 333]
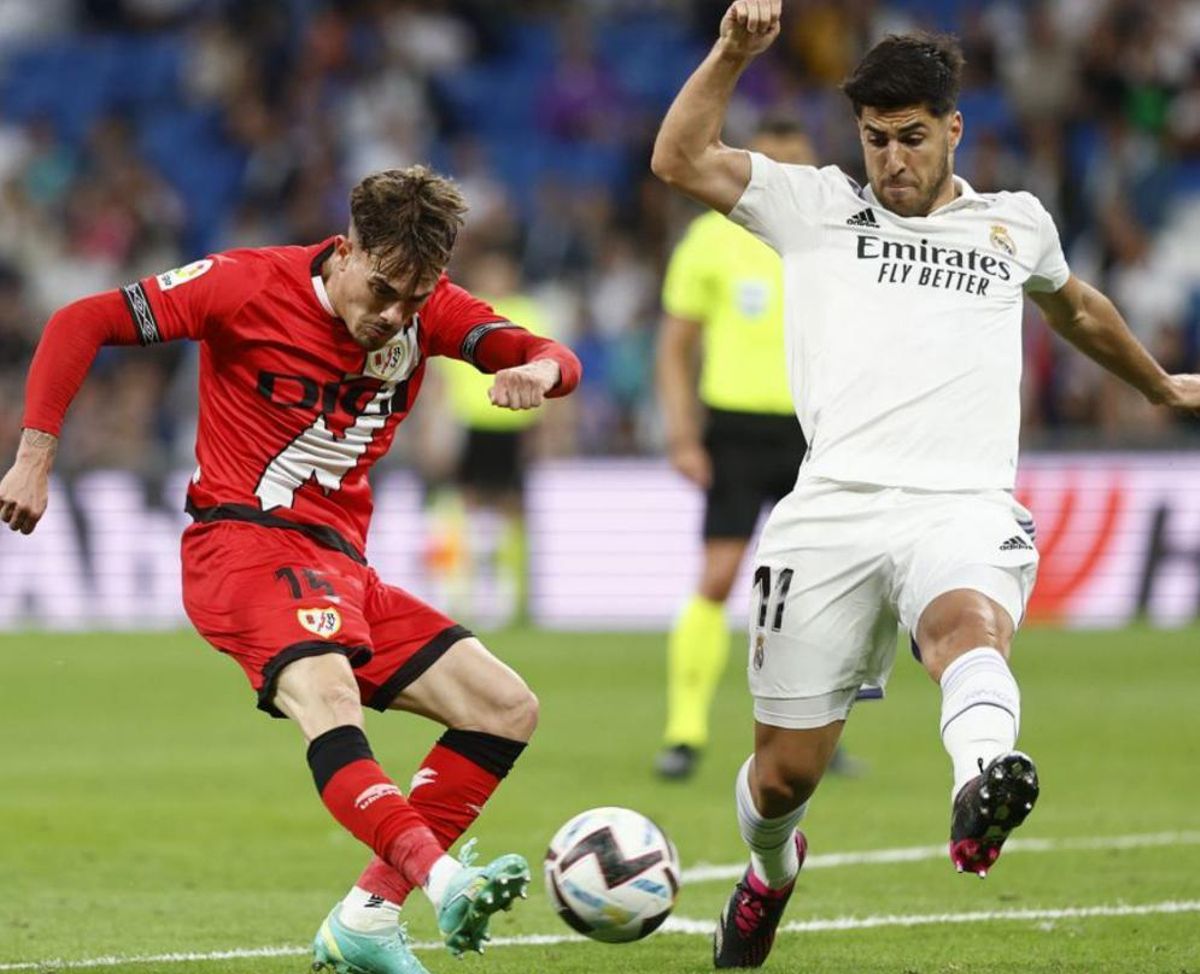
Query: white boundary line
[704, 873]
[681, 925]
[705, 927]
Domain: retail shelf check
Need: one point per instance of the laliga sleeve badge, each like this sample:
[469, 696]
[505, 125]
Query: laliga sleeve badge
[181, 275]
[325, 622]
[397, 359]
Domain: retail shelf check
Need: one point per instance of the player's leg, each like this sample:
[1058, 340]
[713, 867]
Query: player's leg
[698, 645]
[771, 794]
[428, 665]
[969, 583]
[697, 652]
[290, 614]
[320, 694]
[820, 627]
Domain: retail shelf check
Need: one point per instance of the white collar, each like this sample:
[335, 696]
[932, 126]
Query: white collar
[318, 286]
[966, 197]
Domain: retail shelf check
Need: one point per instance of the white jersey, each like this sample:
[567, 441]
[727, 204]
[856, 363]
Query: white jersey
[903, 334]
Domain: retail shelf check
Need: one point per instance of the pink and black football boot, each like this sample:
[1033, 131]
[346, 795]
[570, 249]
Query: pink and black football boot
[988, 808]
[746, 930]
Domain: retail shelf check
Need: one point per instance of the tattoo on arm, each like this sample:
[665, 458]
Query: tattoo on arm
[39, 440]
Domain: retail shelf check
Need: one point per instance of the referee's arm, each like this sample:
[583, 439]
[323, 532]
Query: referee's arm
[676, 367]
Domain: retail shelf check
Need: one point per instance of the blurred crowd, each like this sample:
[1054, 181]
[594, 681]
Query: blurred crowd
[136, 135]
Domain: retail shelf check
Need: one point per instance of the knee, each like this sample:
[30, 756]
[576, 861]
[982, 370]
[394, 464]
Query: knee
[715, 588]
[513, 712]
[782, 789]
[340, 703]
[716, 581]
[945, 635]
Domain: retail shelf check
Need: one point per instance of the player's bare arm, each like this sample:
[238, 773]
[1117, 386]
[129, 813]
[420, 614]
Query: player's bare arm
[675, 376]
[689, 153]
[525, 386]
[1090, 321]
[25, 488]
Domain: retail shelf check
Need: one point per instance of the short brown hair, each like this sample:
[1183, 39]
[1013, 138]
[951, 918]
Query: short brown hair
[919, 68]
[407, 219]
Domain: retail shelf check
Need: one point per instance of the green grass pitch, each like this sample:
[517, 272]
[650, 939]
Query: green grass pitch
[147, 809]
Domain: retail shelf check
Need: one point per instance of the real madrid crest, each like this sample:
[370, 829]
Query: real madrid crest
[1002, 240]
[397, 359]
[760, 646]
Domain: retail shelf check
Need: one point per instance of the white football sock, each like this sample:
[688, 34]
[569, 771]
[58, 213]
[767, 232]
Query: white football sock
[773, 854]
[981, 711]
[444, 870]
[368, 913]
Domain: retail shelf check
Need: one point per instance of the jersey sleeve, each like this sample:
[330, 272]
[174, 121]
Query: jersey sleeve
[191, 301]
[782, 204]
[455, 322]
[1051, 272]
[688, 285]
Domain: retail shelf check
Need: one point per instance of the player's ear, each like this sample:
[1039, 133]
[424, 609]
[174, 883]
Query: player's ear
[343, 246]
[956, 130]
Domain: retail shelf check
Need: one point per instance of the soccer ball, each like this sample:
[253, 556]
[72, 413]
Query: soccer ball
[612, 874]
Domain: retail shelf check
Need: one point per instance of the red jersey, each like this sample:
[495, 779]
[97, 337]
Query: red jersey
[293, 412]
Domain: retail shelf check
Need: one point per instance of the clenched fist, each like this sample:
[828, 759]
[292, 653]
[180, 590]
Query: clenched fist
[524, 386]
[750, 26]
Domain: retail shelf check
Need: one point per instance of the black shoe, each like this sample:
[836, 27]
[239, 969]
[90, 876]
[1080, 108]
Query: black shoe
[746, 930]
[988, 808]
[676, 762]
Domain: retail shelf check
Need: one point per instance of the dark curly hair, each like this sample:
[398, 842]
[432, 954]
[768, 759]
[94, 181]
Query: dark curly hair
[908, 69]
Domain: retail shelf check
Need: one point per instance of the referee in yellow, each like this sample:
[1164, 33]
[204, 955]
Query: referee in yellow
[738, 440]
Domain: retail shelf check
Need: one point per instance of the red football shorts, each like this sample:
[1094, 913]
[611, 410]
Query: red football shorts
[270, 596]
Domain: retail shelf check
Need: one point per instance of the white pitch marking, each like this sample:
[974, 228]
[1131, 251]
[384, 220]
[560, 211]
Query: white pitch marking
[703, 872]
[705, 927]
[680, 925]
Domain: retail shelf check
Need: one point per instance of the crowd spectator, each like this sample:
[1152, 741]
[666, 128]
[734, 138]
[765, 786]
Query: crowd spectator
[247, 121]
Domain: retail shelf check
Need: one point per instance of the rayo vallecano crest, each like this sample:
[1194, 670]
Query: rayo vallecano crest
[325, 621]
[397, 359]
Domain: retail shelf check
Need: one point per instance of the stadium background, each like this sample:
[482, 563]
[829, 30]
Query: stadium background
[152, 821]
[136, 135]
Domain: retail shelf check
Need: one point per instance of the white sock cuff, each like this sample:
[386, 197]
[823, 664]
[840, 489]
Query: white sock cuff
[980, 677]
[444, 870]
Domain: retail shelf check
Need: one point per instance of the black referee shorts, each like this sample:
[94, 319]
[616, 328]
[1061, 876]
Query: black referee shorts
[755, 457]
[492, 461]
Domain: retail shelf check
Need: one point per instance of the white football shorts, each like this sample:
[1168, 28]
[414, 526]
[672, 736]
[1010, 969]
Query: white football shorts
[839, 565]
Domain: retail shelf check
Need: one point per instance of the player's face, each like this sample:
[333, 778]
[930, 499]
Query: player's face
[909, 156]
[373, 305]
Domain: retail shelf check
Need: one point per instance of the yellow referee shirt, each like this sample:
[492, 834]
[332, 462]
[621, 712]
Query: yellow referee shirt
[468, 387]
[732, 283]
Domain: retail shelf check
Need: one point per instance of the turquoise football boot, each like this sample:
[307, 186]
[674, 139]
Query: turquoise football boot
[346, 951]
[475, 894]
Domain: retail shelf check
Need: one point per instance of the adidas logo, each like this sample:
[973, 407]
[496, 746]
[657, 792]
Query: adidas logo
[865, 218]
[1016, 543]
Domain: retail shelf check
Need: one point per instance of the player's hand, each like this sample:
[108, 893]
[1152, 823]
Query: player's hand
[26, 487]
[749, 27]
[525, 386]
[1183, 392]
[693, 461]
